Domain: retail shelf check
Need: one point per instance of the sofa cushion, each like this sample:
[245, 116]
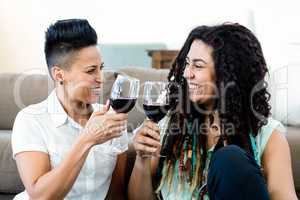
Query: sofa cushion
[293, 136]
[20, 90]
[4, 196]
[9, 181]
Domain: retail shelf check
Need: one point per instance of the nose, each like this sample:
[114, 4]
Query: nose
[188, 73]
[99, 77]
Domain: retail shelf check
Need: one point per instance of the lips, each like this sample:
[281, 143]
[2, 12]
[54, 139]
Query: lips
[196, 89]
[96, 91]
[194, 86]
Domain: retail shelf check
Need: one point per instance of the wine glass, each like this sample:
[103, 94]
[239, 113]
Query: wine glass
[123, 97]
[156, 100]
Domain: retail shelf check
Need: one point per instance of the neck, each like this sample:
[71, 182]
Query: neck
[77, 110]
[214, 130]
[209, 106]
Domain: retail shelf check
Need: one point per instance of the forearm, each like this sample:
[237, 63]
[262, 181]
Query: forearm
[140, 183]
[57, 183]
[279, 195]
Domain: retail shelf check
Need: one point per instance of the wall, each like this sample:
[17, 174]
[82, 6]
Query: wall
[23, 24]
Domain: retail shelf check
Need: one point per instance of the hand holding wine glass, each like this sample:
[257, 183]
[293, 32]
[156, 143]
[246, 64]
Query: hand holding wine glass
[156, 104]
[124, 93]
[102, 127]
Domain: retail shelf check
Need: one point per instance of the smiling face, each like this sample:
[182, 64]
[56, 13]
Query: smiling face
[83, 79]
[200, 73]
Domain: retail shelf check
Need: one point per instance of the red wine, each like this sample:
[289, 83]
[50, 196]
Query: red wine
[155, 112]
[122, 105]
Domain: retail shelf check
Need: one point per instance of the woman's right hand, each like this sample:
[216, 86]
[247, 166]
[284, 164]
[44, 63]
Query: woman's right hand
[147, 140]
[103, 126]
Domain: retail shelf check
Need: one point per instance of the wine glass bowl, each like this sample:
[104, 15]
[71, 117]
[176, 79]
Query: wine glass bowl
[156, 101]
[124, 93]
[123, 97]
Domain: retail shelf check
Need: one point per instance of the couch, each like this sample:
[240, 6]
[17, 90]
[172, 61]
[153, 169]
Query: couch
[20, 90]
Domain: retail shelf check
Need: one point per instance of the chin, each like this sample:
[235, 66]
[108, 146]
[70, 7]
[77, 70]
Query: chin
[93, 99]
[198, 99]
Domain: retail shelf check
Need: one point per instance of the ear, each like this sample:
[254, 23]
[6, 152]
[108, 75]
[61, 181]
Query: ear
[57, 73]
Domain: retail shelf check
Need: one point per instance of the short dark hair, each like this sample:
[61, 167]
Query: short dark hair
[64, 38]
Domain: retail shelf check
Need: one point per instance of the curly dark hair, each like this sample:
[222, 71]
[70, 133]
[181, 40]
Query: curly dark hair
[239, 62]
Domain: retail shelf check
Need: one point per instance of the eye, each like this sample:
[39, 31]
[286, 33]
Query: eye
[90, 71]
[198, 66]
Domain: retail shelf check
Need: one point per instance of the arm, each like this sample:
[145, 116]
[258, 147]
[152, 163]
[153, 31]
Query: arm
[140, 183]
[39, 179]
[276, 161]
[117, 185]
[146, 142]
[42, 182]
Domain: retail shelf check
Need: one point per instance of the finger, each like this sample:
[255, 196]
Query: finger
[104, 109]
[110, 130]
[117, 116]
[144, 148]
[112, 123]
[158, 152]
[148, 141]
[95, 113]
[150, 132]
[152, 125]
[99, 113]
[117, 131]
[109, 136]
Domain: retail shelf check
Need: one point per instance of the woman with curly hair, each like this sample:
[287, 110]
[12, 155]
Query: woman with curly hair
[218, 140]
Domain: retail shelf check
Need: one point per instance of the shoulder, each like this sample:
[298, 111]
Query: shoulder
[273, 133]
[34, 109]
[267, 130]
[31, 113]
[273, 129]
[28, 118]
[26, 132]
[272, 125]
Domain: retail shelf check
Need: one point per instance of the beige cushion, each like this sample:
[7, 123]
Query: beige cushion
[4, 196]
[20, 90]
[293, 136]
[9, 181]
